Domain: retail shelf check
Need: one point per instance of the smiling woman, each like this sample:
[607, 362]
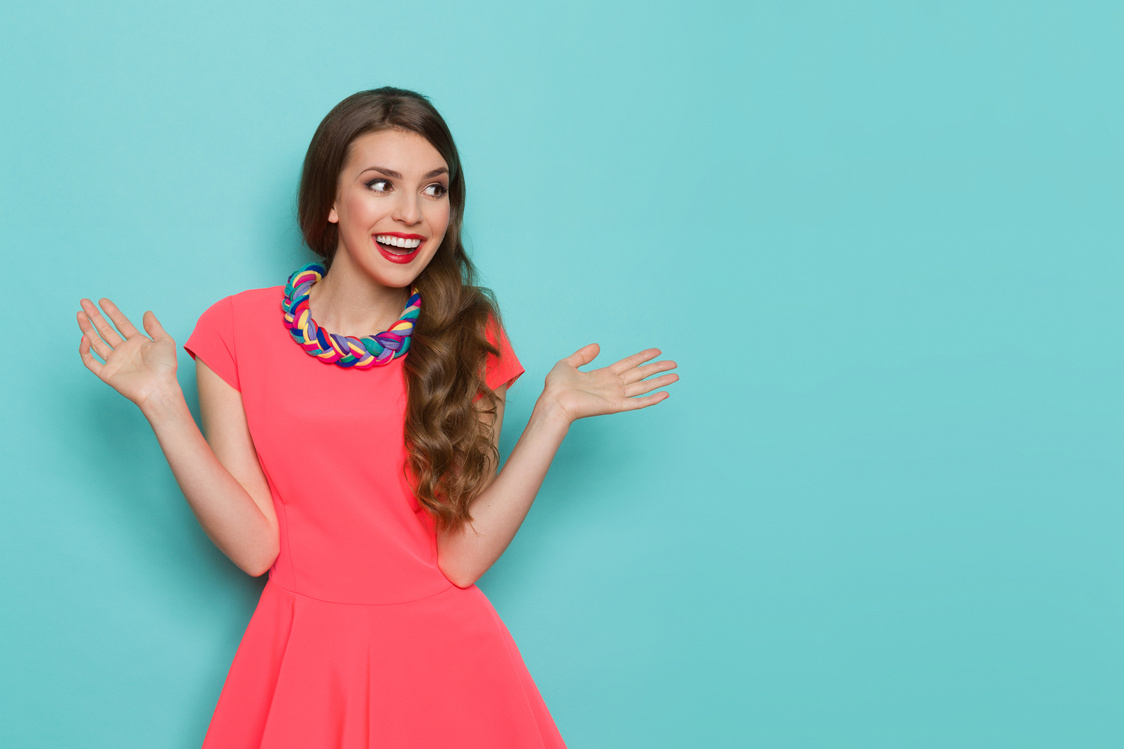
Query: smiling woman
[392, 180]
[359, 470]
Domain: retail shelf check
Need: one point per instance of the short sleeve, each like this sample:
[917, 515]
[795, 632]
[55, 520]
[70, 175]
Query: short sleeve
[213, 341]
[505, 368]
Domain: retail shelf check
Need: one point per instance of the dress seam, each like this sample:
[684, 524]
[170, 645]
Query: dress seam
[358, 603]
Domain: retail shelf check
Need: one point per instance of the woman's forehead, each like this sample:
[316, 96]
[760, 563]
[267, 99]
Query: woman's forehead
[395, 150]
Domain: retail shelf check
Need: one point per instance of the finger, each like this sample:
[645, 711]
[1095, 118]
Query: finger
[84, 323]
[631, 404]
[153, 327]
[88, 359]
[631, 361]
[583, 356]
[648, 386]
[127, 329]
[101, 347]
[105, 329]
[640, 373]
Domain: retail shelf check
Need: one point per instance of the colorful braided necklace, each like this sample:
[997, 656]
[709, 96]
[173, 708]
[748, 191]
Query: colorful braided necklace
[332, 348]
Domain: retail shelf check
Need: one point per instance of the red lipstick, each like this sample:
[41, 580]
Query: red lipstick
[395, 257]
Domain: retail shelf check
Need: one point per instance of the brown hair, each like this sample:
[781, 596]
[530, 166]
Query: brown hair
[451, 452]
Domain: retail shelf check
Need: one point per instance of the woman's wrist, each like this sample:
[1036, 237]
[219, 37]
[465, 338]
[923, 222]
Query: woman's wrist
[164, 400]
[549, 410]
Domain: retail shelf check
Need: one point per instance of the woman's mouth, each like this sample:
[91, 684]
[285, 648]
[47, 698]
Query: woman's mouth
[398, 248]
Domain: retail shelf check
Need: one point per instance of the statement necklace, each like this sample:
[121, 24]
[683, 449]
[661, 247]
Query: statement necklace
[332, 348]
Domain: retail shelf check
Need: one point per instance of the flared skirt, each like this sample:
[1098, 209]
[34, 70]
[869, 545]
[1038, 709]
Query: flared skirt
[441, 671]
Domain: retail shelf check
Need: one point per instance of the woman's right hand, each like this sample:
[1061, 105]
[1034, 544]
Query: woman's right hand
[135, 365]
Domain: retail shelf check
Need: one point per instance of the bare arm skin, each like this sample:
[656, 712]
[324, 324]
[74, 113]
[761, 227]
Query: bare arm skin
[570, 394]
[219, 476]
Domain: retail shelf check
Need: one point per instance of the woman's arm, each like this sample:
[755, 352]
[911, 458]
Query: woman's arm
[222, 481]
[499, 510]
[219, 475]
[570, 394]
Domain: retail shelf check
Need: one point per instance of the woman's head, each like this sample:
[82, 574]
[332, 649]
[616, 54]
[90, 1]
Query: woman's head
[367, 112]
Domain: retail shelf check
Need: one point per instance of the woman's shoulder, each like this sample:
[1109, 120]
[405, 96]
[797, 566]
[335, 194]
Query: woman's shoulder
[244, 308]
[251, 298]
[251, 303]
[258, 297]
[257, 307]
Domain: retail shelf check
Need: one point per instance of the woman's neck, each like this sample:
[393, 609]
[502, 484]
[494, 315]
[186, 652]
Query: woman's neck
[348, 302]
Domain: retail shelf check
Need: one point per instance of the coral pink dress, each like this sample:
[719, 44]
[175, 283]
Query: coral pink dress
[358, 640]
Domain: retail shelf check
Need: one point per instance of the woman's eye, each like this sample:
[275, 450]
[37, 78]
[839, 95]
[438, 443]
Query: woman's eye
[436, 190]
[379, 185]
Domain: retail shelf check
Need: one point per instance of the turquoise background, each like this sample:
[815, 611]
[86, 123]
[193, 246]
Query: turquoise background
[882, 507]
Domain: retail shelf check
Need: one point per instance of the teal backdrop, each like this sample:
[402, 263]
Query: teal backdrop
[883, 241]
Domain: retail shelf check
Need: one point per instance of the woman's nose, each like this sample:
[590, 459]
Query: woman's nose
[406, 209]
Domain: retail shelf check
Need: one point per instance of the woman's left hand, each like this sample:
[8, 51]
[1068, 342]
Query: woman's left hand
[607, 390]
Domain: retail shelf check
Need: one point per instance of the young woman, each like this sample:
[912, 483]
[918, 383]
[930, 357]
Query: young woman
[359, 470]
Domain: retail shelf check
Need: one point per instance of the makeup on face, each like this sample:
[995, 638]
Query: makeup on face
[392, 208]
[398, 247]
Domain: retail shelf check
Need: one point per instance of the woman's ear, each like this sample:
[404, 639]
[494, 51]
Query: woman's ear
[333, 217]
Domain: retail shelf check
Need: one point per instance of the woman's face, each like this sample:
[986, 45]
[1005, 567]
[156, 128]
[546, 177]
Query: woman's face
[392, 206]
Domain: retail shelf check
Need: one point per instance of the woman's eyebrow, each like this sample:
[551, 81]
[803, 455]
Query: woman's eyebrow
[396, 175]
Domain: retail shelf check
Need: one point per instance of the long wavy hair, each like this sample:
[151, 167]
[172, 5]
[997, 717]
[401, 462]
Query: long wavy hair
[452, 457]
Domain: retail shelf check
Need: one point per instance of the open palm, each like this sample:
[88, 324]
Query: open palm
[610, 389]
[135, 364]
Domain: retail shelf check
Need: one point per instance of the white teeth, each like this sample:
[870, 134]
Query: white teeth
[397, 241]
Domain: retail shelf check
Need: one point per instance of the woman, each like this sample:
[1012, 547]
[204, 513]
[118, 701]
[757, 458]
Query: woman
[360, 470]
